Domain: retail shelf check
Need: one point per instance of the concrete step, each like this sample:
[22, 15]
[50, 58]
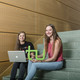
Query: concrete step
[36, 78]
[6, 77]
[71, 45]
[70, 39]
[72, 64]
[71, 54]
[60, 75]
[70, 70]
[69, 33]
[54, 75]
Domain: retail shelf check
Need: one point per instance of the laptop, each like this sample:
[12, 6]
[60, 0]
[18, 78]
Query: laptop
[17, 56]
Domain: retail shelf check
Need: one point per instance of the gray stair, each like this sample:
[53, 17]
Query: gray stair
[73, 64]
[71, 45]
[59, 75]
[6, 77]
[69, 33]
[71, 54]
[70, 39]
[36, 78]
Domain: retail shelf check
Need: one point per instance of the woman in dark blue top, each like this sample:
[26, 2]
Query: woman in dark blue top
[22, 44]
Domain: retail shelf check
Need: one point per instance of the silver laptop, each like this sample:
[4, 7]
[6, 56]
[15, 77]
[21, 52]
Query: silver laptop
[17, 56]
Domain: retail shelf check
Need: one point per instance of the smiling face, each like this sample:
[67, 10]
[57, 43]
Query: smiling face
[22, 37]
[49, 31]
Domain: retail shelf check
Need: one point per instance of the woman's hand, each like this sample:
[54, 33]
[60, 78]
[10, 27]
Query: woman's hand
[32, 55]
[43, 61]
[26, 58]
[34, 60]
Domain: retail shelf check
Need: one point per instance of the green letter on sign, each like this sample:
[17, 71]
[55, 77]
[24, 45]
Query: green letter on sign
[36, 54]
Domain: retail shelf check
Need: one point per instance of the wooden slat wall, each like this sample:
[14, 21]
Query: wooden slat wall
[7, 42]
[3, 66]
[27, 4]
[74, 4]
[32, 16]
[58, 10]
[16, 19]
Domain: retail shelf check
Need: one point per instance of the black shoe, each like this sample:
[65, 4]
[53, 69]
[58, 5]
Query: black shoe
[20, 79]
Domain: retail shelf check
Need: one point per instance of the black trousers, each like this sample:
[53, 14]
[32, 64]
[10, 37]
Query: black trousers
[22, 69]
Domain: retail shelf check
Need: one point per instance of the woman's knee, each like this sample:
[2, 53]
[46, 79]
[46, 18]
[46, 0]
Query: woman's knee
[60, 65]
[34, 65]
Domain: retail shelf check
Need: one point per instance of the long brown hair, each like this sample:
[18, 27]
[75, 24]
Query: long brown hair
[18, 41]
[47, 39]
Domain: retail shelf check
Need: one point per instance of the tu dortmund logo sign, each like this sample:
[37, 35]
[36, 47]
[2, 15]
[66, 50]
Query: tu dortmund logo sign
[36, 54]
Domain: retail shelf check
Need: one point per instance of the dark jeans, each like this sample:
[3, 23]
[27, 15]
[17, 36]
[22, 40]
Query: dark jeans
[22, 69]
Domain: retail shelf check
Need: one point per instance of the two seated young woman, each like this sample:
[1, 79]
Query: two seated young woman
[52, 46]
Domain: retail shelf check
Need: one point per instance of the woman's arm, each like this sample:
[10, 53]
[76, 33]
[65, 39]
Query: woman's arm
[40, 56]
[56, 51]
